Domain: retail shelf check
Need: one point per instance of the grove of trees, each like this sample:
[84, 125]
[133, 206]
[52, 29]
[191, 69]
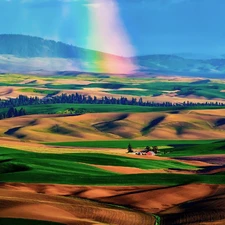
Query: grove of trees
[12, 112]
[23, 100]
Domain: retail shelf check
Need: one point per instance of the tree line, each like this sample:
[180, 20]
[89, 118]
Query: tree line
[23, 100]
[12, 112]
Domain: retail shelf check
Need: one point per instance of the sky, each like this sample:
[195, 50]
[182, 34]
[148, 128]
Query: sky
[122, 27]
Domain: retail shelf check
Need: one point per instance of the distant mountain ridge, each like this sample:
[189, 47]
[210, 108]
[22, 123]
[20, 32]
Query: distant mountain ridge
[27, 54]
[171, 64]
[29, 46]
[200, 56]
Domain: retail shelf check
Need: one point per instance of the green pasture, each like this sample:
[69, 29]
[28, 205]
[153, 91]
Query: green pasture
[134, 143]
[209, 90]
[40, 91]
[217, 147]
[101, 108]
[89, 108]
[20, 166]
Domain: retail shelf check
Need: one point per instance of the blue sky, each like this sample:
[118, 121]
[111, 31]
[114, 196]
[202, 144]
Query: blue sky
[152, 26]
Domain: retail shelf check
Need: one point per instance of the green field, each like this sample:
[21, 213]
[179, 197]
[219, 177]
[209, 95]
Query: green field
[171, 148]
[93, 108]
[97, 108]
[89, 108]
[135, 143]
[209, 90]
[206, 89]
[20, 166]
[40, 91]
[143, 86]
[217, 147]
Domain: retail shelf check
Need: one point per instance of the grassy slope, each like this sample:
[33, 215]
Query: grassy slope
[204, 149]
[41, 91]
[97, 108]
[19, 166]
[134, 143]
[113, 160]
[92, 108]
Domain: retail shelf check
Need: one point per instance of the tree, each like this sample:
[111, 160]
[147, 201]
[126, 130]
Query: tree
[129, 148]
[11, 112]
[155, 149]
[21, 112]
[147, 148]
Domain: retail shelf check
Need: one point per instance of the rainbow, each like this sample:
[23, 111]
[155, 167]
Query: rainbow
[105, 30]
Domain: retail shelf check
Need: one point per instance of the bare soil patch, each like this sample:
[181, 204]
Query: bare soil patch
[71, 211]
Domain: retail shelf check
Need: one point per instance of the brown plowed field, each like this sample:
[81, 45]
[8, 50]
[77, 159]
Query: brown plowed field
[70, 211]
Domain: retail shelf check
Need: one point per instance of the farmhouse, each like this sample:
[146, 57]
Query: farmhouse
[147, 151]
[144, 152]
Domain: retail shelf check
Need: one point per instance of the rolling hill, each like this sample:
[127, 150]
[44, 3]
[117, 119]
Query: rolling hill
[172, 64]
[24, 46]
[27, 54]
[195, 124]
